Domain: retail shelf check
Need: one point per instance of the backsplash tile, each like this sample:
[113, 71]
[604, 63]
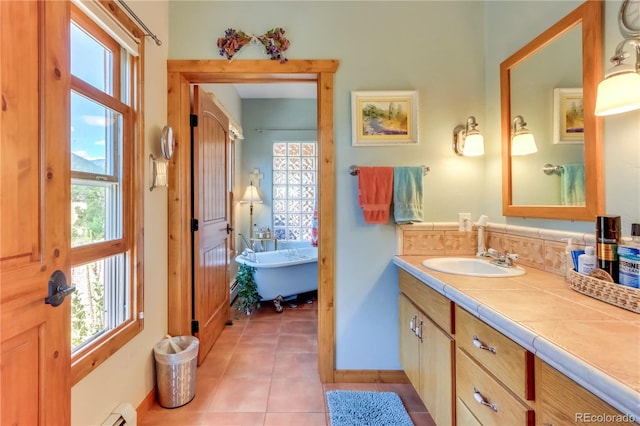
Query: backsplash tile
[538, 248]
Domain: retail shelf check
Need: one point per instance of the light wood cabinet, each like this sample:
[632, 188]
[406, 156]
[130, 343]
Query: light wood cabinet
[509, 362]
[482, 377]
[426, 349]
[562, 401]
[494, 375]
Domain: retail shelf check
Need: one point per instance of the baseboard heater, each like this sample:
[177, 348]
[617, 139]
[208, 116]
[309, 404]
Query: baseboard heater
[123, 414]
[233, 291]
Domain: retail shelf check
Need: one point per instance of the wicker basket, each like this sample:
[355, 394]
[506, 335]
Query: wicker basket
[614, 294]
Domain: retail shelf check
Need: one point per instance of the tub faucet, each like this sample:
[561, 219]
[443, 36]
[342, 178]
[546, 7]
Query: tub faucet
[248, 252]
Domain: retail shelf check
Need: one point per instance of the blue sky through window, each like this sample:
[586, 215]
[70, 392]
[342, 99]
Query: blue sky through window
[90, 60]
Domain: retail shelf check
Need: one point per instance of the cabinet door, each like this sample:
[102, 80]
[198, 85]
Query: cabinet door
[563, 401]
[436, 367]
[408, 316]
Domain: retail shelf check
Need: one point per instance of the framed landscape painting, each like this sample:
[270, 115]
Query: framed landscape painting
[568, 116]
[384, 118]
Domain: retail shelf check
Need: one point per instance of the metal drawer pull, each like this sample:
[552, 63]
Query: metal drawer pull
[478, 396]
[478, 344]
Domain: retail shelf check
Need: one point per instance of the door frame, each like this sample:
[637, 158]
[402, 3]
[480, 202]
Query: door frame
[180, 75]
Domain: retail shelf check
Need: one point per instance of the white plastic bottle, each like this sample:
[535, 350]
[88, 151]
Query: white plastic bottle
[587, 261]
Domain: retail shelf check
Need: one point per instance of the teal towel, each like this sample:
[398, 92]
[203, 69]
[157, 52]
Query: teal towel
[572, 185]
[407, 194]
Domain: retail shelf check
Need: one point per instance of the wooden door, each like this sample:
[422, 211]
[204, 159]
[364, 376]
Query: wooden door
[211, 210]
[35, 348]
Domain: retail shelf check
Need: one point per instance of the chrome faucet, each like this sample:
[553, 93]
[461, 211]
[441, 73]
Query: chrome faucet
[249, 253]
[502, 259]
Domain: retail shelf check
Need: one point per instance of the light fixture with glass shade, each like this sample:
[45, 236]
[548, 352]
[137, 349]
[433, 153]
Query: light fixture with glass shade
[522, 140]
[251, 195]
[467, 140]
[620, 90]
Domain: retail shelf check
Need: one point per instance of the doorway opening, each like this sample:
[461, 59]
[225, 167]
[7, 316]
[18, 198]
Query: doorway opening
[182, 74]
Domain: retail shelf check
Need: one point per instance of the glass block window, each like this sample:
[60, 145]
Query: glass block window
[295, 189]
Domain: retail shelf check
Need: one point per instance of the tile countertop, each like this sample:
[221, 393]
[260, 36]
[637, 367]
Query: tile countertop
[594, 343]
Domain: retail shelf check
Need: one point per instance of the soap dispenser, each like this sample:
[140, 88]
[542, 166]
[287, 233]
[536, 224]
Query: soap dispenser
[568, 257]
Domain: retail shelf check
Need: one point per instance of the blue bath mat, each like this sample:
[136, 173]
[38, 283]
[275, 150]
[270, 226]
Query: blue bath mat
[356, 408]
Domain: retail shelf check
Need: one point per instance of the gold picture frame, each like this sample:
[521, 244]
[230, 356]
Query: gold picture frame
[568, 116]
[384, 118]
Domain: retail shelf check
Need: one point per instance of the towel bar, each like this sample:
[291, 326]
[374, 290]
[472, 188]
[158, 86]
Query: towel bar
[550, 169]
[353, 170]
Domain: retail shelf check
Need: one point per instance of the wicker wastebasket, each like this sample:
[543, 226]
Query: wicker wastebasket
[176, 364]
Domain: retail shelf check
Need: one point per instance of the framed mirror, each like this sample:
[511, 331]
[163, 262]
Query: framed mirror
[551, 83]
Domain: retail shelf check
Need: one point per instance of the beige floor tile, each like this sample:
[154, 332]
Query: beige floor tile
[296, 366]
[300, 396]
[231, 419]
[250, 364]
[300, 327]
[295, 419]
[298, 343]
[240, 396]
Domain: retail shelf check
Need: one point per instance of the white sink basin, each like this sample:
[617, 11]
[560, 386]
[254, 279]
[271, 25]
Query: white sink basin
[471, 267]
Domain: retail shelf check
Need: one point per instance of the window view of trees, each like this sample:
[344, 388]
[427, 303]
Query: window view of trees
[102, 145]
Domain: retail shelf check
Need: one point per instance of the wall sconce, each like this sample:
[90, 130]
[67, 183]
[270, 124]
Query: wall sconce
[620, 90]
[522, 140]
[251, 196]
[467, 140]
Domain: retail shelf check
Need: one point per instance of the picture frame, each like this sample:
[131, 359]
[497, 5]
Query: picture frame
[568, 116]
[384, 118]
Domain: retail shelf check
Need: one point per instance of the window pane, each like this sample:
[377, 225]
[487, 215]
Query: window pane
[95, 212]
[99, 302]
[294, 189]
[96, 135]
[90, 60]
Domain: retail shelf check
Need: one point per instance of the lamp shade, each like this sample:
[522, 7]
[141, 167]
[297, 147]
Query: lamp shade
[618, 93]
[523, 144]
[251, 195]
[473, 145]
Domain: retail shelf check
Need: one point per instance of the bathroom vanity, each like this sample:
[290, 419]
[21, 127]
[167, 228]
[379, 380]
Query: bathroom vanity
[524, 350]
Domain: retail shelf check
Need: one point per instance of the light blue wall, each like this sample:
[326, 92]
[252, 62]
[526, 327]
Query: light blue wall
[510, 25]
[449, 51]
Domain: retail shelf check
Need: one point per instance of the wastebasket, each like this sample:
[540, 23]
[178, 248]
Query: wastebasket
[176, 364]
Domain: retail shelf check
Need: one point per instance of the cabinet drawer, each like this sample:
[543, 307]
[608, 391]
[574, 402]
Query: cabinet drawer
[486, 398]
[464, 416]
[508, 361]
[433, 304]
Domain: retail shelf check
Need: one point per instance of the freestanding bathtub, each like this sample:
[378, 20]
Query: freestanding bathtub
[284, 272]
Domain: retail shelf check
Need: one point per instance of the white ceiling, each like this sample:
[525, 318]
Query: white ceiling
[276, 90]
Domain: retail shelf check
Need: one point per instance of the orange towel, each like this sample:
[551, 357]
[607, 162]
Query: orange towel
[375, 188]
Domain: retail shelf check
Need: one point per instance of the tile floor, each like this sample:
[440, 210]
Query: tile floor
[262, 370]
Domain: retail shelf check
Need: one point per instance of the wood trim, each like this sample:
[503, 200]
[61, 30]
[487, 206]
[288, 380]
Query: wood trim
[589, 14]
[370, 376]
[133, 184]
[182, 73]
[147, 403]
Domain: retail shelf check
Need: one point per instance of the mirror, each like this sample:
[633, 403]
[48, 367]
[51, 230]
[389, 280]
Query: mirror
[542, 83]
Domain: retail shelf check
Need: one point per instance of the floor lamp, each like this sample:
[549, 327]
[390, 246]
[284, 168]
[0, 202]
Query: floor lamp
[251, 196]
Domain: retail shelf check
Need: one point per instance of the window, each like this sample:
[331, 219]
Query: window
[106, 306]
[294, 190]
